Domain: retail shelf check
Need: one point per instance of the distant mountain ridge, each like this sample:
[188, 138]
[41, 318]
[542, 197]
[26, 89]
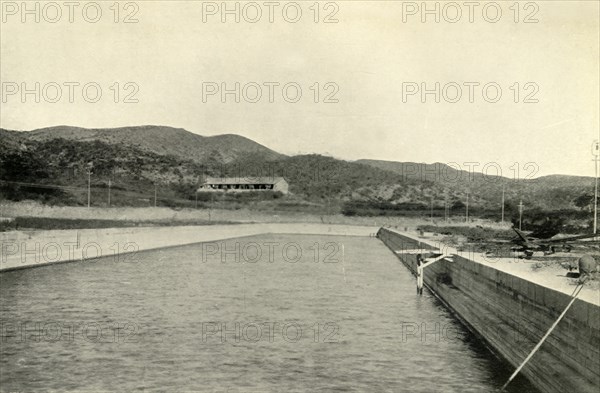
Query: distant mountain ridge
[552, 191]
[438, 171]
[167, 155]
[162, 140]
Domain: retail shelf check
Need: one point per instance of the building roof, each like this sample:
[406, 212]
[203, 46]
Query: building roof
[243, 180]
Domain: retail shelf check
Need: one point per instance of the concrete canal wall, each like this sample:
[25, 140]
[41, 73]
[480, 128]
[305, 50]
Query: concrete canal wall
[512, 315]
[26, 249]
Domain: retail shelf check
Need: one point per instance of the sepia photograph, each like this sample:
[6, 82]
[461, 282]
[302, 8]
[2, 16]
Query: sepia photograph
[265, 196]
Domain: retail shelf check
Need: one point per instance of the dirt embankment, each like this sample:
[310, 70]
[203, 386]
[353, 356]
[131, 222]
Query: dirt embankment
[169, 216]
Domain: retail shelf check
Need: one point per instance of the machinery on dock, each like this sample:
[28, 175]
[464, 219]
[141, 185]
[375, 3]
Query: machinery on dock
[530, 244]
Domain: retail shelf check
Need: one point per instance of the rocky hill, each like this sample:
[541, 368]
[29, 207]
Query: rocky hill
[136, 159]
[161, 140]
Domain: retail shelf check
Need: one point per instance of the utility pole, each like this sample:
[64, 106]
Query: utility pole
[90, 165]
[212, 201]
[596, 197]
[446, 209]
[520, 213]
[109, 184]
[89, 186]
[199, 184]
[432, 208]
[467, 212]
[596, 153]
[502, 220]
[155, 192]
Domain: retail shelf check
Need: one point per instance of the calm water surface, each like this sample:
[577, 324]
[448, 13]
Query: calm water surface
[194, 318]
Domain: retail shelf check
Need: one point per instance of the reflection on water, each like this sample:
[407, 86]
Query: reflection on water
[265, 313]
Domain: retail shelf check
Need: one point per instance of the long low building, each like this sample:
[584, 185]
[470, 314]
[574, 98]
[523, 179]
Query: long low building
[244, 184]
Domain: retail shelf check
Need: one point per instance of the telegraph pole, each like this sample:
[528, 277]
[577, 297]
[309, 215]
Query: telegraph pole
[446, 208]
[90, 165]
[432, 209]
[212, 201]
[520, 213]
[502, 221]
[155, 192]
[109, 184]
[89, 186]
[596, 197]
[596, 152]
[467, 212]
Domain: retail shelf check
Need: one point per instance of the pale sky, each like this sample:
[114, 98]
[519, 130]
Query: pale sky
[369, 54]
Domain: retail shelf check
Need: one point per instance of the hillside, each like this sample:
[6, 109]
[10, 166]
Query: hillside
[138, 160]
[419, 171]
[161, 140]
[547, 192]
[64, 163]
